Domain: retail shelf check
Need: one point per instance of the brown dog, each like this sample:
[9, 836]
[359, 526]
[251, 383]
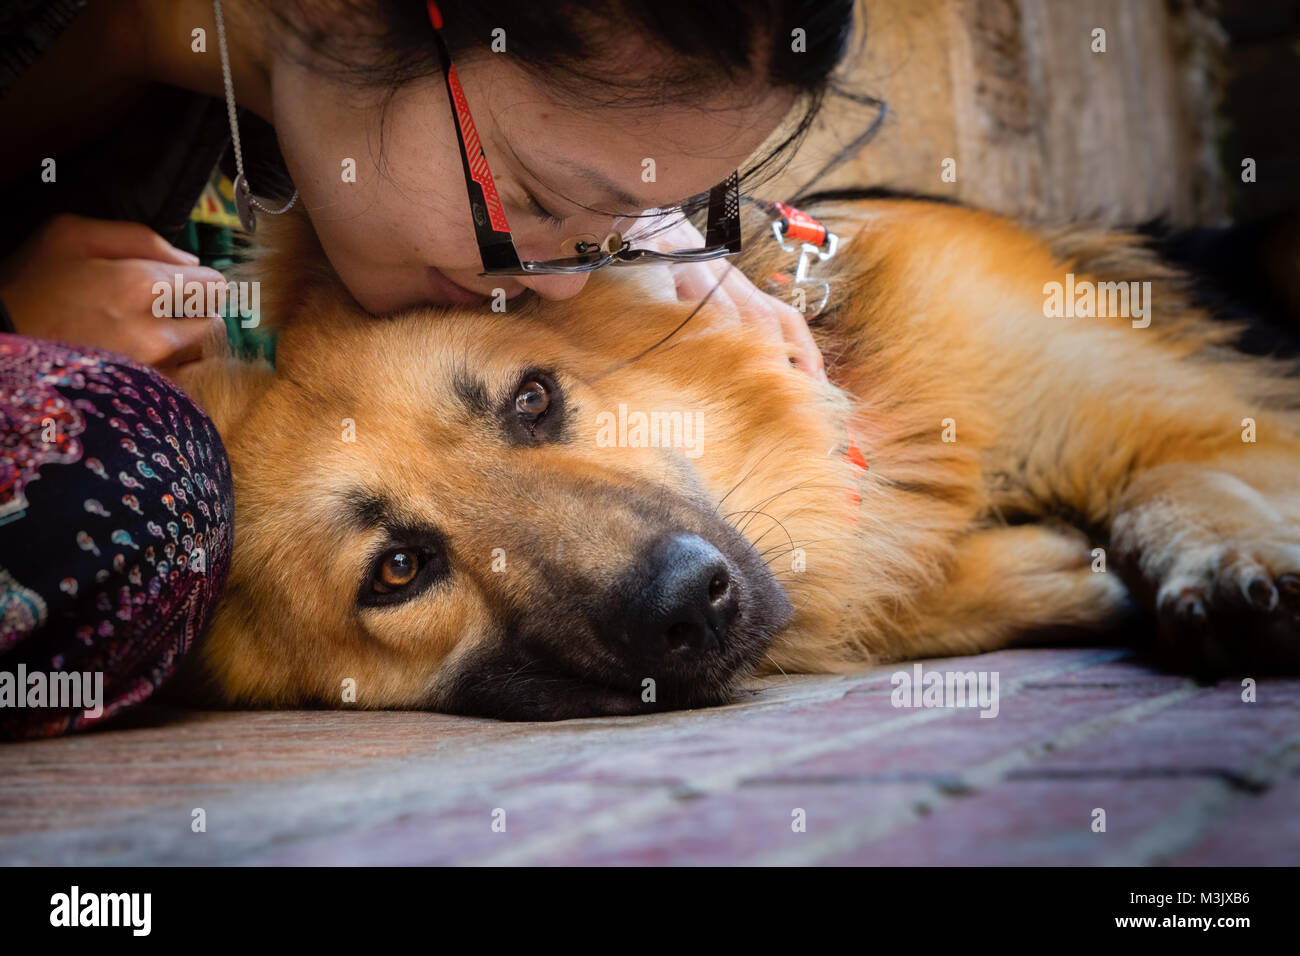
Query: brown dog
[587, 507]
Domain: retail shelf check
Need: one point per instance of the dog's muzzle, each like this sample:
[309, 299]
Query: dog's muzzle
[684, 609]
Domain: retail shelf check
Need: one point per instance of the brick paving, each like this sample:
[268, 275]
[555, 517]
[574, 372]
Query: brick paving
[1186, 774]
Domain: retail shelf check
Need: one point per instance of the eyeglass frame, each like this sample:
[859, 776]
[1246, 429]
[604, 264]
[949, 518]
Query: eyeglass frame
[496, 246]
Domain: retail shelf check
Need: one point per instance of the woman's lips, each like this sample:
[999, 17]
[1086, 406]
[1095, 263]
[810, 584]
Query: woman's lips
[446, 292]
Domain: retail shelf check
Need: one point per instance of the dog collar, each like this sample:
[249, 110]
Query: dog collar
[816, 241]
[816, 244]
[853, 455]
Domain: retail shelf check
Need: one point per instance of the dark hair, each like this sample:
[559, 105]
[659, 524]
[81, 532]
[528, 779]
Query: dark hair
[569, 45]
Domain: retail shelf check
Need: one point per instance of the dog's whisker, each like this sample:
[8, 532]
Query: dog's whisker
[773, 662]
[757, 507]
[785, 550]
[782, 550]
[773, 497]
[747, 475]
[779, 523]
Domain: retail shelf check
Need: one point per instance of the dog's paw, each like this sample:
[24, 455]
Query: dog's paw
[1218, 564]
[1232, 606]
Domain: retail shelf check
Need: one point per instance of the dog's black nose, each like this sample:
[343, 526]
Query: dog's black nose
[687, 600]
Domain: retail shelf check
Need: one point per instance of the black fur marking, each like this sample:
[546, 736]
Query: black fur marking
[366, 510]
[473, 394]
[851, 193]
[1229, 281]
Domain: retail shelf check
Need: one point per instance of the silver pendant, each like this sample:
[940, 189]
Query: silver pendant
[244, 205]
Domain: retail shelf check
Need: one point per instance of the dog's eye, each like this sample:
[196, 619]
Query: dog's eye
[535, 414]
[532, 400]
[396, 570]
[413, 560]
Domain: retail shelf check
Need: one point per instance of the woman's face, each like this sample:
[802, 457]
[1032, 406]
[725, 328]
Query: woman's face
[401, 233]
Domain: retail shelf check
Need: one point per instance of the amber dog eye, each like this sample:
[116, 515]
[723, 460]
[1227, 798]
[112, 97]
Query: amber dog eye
[396, 570]
[532, 400]
[412, 561]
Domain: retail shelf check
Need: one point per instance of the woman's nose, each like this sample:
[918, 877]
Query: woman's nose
[556, 286]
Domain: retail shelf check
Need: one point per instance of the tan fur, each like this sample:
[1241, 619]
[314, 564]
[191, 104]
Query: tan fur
[1132, 434]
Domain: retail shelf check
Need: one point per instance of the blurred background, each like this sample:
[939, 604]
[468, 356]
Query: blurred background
[1043, 127]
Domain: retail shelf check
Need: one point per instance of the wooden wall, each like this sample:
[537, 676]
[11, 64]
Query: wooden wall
[1040, 126]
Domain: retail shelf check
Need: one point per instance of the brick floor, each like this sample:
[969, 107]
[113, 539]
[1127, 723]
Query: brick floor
[1186, 774]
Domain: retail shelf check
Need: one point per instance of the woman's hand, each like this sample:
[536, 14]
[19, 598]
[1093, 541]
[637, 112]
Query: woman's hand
[90, 282]
[739, 298]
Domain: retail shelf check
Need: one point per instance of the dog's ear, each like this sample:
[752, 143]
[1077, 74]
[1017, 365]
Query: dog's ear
[235, 663]
[225, 387]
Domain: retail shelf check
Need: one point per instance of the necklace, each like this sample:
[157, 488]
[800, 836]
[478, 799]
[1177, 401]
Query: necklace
[245, 201]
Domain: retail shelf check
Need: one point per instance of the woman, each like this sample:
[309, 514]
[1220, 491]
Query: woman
[589, 114]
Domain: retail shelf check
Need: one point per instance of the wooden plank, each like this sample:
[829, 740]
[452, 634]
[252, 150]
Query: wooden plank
[1039, 125]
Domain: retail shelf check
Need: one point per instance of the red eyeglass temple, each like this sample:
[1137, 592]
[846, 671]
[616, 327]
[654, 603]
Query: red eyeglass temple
[478, 165]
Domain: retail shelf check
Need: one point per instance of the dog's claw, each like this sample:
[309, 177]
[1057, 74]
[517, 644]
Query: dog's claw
[1288, 586]
[1261, 593]
[1231, 610]
[1188, 609]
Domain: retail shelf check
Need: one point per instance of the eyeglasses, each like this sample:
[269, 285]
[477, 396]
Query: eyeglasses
[496, 247]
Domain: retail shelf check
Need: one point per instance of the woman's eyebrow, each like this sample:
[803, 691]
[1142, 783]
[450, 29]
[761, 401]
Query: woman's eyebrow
[624, 200]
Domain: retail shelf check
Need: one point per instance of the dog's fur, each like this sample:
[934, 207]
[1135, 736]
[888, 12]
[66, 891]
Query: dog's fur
[1070, 434]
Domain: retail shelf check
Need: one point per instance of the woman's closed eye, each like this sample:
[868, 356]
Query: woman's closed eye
[544, 215]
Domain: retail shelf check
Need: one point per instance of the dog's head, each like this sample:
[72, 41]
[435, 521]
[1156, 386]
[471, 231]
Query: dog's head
[530, 516]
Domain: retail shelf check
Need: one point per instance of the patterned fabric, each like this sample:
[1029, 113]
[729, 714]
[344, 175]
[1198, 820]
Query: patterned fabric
[216, 204]
[116, 525]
